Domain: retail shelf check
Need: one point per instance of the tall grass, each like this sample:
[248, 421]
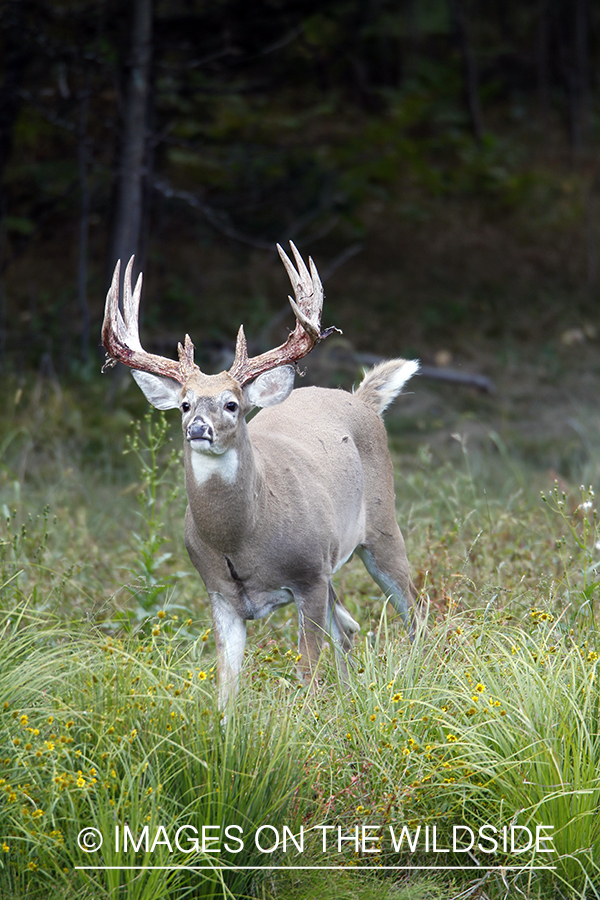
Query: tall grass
[108, 715]
[490, 724]
[97, 733]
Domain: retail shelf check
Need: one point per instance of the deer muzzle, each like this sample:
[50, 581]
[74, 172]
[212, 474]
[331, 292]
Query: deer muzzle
[200, 430]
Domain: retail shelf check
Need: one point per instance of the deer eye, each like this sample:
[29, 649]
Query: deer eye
[185, 406]
[231, 406]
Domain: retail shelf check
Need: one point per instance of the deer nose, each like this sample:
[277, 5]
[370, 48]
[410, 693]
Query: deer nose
[200, 431]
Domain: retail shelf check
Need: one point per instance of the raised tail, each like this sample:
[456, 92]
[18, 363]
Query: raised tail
[384, 382]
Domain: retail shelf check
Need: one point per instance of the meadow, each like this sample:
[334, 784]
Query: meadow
[487, 726]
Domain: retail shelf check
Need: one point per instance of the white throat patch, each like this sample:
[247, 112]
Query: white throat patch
[224, 465]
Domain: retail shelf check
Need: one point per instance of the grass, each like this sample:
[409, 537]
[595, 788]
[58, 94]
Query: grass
[98, 733]
[493, 725]
[107, 692]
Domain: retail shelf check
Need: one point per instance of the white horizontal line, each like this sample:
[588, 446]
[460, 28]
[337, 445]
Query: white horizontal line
[347, 868]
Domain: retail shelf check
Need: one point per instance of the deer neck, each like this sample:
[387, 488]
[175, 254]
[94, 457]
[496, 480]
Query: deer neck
[224, 492]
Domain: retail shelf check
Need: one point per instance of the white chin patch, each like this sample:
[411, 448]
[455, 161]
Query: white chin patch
[201, 445]
[206, 465]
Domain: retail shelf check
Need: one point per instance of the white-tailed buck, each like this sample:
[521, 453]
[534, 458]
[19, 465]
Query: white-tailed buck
[277, 505]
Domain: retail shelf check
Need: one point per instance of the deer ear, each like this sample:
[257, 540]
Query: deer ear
[160, 391]
[271, 387]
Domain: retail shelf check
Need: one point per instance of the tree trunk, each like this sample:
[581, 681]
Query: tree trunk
[573, 52]
[459, 22]
[581, 70]
[542, 59]
[17, 55]
[132, 167]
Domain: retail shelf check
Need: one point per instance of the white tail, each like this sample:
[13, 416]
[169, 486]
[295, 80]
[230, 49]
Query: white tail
[277, 505]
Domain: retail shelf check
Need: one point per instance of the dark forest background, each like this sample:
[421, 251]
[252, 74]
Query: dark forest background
[437, 158]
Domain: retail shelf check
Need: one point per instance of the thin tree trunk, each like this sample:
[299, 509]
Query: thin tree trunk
[410, 61]
[592, 235]
[132, 161]
[581, 69]
[84, 226]
[17, 54]
[3, 314]
[459, 21]
[16, 58]
[543, 74]
[573, 49]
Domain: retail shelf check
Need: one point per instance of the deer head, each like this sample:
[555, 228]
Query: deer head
[169, 384]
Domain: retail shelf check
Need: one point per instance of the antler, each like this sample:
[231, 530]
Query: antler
[307, 308]
[121, 336]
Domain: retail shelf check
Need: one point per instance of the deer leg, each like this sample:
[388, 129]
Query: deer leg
[387, 564]
[230, 638]
[312, 619]
[342, 628]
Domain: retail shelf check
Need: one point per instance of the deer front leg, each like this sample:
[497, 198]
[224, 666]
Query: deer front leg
[230, 638]
[312, 620]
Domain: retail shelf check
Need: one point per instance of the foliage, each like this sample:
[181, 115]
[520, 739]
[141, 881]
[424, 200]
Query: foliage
[307, 120]
[160, 487]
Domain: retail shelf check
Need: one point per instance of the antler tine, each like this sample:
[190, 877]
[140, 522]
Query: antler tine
[241, 346]
[302, 270]
[131, 306]
[307, 308]
[186, 355]
[316, 281]
[308, 289]
[121, 337]
[110, 322]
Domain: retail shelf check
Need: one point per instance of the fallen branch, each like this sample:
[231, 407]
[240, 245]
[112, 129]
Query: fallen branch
[450, 376]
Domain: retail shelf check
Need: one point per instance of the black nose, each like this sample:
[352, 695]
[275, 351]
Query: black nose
[200, 431]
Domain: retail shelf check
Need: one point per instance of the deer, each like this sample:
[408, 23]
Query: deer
[276, 505]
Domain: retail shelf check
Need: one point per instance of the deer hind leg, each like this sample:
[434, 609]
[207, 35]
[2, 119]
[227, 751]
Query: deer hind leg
[386, 562]
[342, 628]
